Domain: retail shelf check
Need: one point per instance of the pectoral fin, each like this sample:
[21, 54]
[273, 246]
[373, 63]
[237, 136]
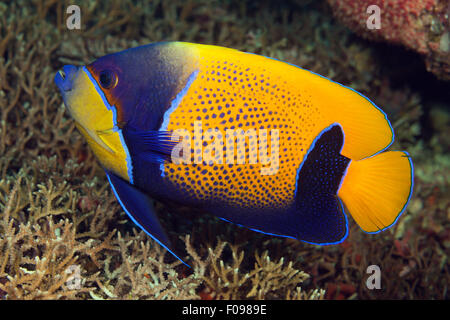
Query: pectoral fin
[153, 146]
[140, 208]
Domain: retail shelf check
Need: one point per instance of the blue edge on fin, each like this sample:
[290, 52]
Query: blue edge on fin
[136, 222]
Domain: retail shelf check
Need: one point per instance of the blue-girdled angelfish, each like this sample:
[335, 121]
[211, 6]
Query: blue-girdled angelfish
[250, 139]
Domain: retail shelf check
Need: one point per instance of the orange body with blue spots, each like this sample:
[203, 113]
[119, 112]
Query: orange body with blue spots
[253, 140]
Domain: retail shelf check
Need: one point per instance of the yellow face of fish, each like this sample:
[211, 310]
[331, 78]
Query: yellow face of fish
[94, 117]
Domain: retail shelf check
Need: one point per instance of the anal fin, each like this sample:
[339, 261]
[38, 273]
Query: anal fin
[141, 210]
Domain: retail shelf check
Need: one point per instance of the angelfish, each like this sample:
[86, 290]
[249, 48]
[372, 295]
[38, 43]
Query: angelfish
[166, 120]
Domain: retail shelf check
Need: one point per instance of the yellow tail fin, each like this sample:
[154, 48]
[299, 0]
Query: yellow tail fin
[376, 190]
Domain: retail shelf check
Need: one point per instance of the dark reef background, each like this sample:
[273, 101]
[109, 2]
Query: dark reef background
[64, 236]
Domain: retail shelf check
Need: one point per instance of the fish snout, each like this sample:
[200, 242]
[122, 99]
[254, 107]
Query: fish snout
[64, 79]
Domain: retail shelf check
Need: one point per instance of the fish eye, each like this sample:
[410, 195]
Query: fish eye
[108, 79]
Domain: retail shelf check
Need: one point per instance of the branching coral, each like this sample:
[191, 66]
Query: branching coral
[266, 280]
[47, 231]
[143, 273]
[35, 258]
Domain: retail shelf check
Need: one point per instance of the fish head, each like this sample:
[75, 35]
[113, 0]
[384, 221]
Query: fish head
[128, 90]
[85, 97]
[136, 84]
[86, 104]
[113, 91]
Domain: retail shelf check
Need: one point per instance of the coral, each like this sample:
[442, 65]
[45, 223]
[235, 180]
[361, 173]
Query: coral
[57, 211]
[266, 280]
[143, 274]
[419, 25]
[36, 257]
[47, 229]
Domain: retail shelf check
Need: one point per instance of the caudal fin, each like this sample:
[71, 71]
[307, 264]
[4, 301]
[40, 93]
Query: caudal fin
[376, 190]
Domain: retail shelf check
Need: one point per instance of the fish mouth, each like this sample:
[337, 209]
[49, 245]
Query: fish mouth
[64, 78]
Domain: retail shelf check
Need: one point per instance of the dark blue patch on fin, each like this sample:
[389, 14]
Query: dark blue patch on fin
[140, 209]
[318, 212]
[153, 146]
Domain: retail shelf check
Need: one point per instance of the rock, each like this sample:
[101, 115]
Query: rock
[419, 25]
